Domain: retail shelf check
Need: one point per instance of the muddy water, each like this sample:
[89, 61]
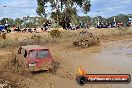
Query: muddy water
[115, 59]
[119, 56]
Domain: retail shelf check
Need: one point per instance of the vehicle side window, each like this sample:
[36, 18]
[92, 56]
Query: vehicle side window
[23, 52]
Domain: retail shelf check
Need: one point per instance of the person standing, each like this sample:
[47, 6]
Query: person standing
[46, 26]
[14, 27]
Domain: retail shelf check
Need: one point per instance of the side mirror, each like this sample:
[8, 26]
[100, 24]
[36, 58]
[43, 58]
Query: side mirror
[19, 51]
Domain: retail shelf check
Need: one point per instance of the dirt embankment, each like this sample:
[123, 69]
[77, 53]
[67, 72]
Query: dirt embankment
[67, 56]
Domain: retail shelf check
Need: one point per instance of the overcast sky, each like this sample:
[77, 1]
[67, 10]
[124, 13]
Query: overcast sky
[106, 8]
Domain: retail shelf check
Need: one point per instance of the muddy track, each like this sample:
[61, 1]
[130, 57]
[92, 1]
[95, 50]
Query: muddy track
[68, 59]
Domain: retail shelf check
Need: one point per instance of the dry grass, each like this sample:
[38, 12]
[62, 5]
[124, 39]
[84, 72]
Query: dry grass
[110, 32]
[17, 39]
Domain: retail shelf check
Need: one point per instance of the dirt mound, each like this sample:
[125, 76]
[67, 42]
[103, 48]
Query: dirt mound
[86, 39]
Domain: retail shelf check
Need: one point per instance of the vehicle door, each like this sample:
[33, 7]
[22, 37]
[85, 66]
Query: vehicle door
[22, 57]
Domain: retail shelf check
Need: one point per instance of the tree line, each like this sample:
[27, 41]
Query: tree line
[31, 22]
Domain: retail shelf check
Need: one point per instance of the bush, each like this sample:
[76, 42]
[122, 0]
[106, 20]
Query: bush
[69, 34]
[3, 35]
[55, 33]
[9, 43]
[36, 37]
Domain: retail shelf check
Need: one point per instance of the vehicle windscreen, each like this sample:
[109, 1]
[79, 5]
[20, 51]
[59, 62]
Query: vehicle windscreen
[42, 54]
[38, 54]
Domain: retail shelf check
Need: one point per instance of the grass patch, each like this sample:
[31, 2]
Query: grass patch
[55, 33]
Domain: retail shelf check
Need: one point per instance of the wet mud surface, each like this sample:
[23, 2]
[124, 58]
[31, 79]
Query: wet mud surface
[111, 57]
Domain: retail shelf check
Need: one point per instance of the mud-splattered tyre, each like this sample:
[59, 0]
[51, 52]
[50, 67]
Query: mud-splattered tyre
[81, 80]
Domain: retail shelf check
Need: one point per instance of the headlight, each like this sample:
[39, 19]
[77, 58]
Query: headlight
[32, 64]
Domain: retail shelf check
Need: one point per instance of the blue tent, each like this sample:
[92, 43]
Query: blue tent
[2, 27]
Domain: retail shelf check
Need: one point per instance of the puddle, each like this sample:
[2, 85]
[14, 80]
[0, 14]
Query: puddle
[114, 59]
[119, 56]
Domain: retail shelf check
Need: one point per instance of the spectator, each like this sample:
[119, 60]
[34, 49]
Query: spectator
[18, 29]
[42, 29]
[35, 30]
[46, 26]
[14, 27]
[30, 30]
[24, 30]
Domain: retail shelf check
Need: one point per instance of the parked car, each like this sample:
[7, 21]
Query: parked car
[35, 58]
[2, 27]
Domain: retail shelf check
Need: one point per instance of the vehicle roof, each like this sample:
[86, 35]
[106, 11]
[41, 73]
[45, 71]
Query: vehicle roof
[32, 47]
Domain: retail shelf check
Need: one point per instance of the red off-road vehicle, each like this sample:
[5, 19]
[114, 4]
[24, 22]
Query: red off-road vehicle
[35, 58]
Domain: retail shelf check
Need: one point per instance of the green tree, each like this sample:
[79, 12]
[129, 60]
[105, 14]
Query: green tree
[10, 21]
[18, 22]
[32, 22]
[41, 21]
[119, 18]
[129, 15]
[62, 4]
[3, 21]
[122, 18]
[94, 20]
[85, 19]
[65, 9]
